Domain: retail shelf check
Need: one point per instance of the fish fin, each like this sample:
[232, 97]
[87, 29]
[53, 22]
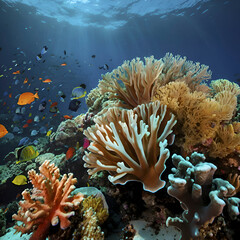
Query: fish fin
[83, 86]
[36, 95]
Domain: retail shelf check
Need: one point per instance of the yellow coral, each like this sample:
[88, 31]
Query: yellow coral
[226, 141]
[96, 204]
[90, 228]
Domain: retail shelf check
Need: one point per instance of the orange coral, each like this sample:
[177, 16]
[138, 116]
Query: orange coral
[49, 203]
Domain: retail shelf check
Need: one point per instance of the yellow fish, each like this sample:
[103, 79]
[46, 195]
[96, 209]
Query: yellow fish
[20, 180]
[79, 92]
[30, 114]
[1, 75]
[49, 133]
[26, 153]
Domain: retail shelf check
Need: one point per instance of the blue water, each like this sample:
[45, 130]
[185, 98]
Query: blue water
[204, 31]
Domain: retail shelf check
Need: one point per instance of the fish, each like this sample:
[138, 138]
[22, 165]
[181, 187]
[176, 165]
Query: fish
[74, 105]
[25, 80]
[79, 92]
[27, 98]
[20, 180]
[39, 57]
[53, 109]
[54, 104]
[47, 80]
[70, 153]
[49, 132]
[65, 52]
[68, 117]
[36, 118]
[17, 72]
[26, 153]
[104, 67]
[10, 95]
[29, 121]
[63, 64]
[34, 132]
[86, 143]
[93, 56]
[25, 125]
[44, 50]
[24, 141]
[3, 131]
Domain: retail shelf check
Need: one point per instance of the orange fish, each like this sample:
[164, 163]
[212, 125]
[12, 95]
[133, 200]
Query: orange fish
[49, 100]
[47, 80]
[68, 117]
[40, 78]
[55, 115]
[10, 95]
[25, 80]
[17, 72]
[54, 104]
[29, 121]
[25, 125]
[4, 103]
[27, 98]
[70, 153]
[3, 131]
[63, 64]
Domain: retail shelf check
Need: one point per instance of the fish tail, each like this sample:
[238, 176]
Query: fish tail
[36, 95]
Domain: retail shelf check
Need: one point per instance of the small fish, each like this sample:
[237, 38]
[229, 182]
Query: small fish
[20, 180]
[65, 52]
[63, 64]
[47, 80]
[54, 104]
[25, 80]
[25, 125]
[70, 153]
[44, 50]
[3, 131]
[105, 67]
[79, 92]
[86, 143]
[29, 121]
[10, 95]
[49, 132]
[93, 56]
[27, 98]
[17, 72]
[68, 117]
[39, 57]
[74, 105]
[29, 69]
[40, 78]
[26, 153]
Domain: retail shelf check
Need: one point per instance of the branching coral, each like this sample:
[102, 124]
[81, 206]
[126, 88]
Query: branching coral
[131, 144]
[49, 203]
[179, 69]
[202, 197]
[138, 80]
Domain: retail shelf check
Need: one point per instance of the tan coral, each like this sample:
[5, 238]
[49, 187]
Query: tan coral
[131, 144]
[226, 141]
[49, 204]
[177, 68]
[138, 80]
[234, 179]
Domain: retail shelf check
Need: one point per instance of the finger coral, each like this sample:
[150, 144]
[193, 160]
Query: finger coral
[131, 144]
[49, 204]
[201, 196]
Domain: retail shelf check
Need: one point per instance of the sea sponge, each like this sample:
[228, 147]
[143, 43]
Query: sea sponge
[131, 144]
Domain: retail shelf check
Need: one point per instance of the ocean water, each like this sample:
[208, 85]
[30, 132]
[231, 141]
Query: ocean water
[82, 39]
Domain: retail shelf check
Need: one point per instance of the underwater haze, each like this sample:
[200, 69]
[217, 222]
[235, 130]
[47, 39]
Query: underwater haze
[53, 53]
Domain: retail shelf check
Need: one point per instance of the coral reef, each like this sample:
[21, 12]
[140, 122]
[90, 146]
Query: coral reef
[84, 120]
[49, 203]
[202, 197]
[131, 144]
[67, 133]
